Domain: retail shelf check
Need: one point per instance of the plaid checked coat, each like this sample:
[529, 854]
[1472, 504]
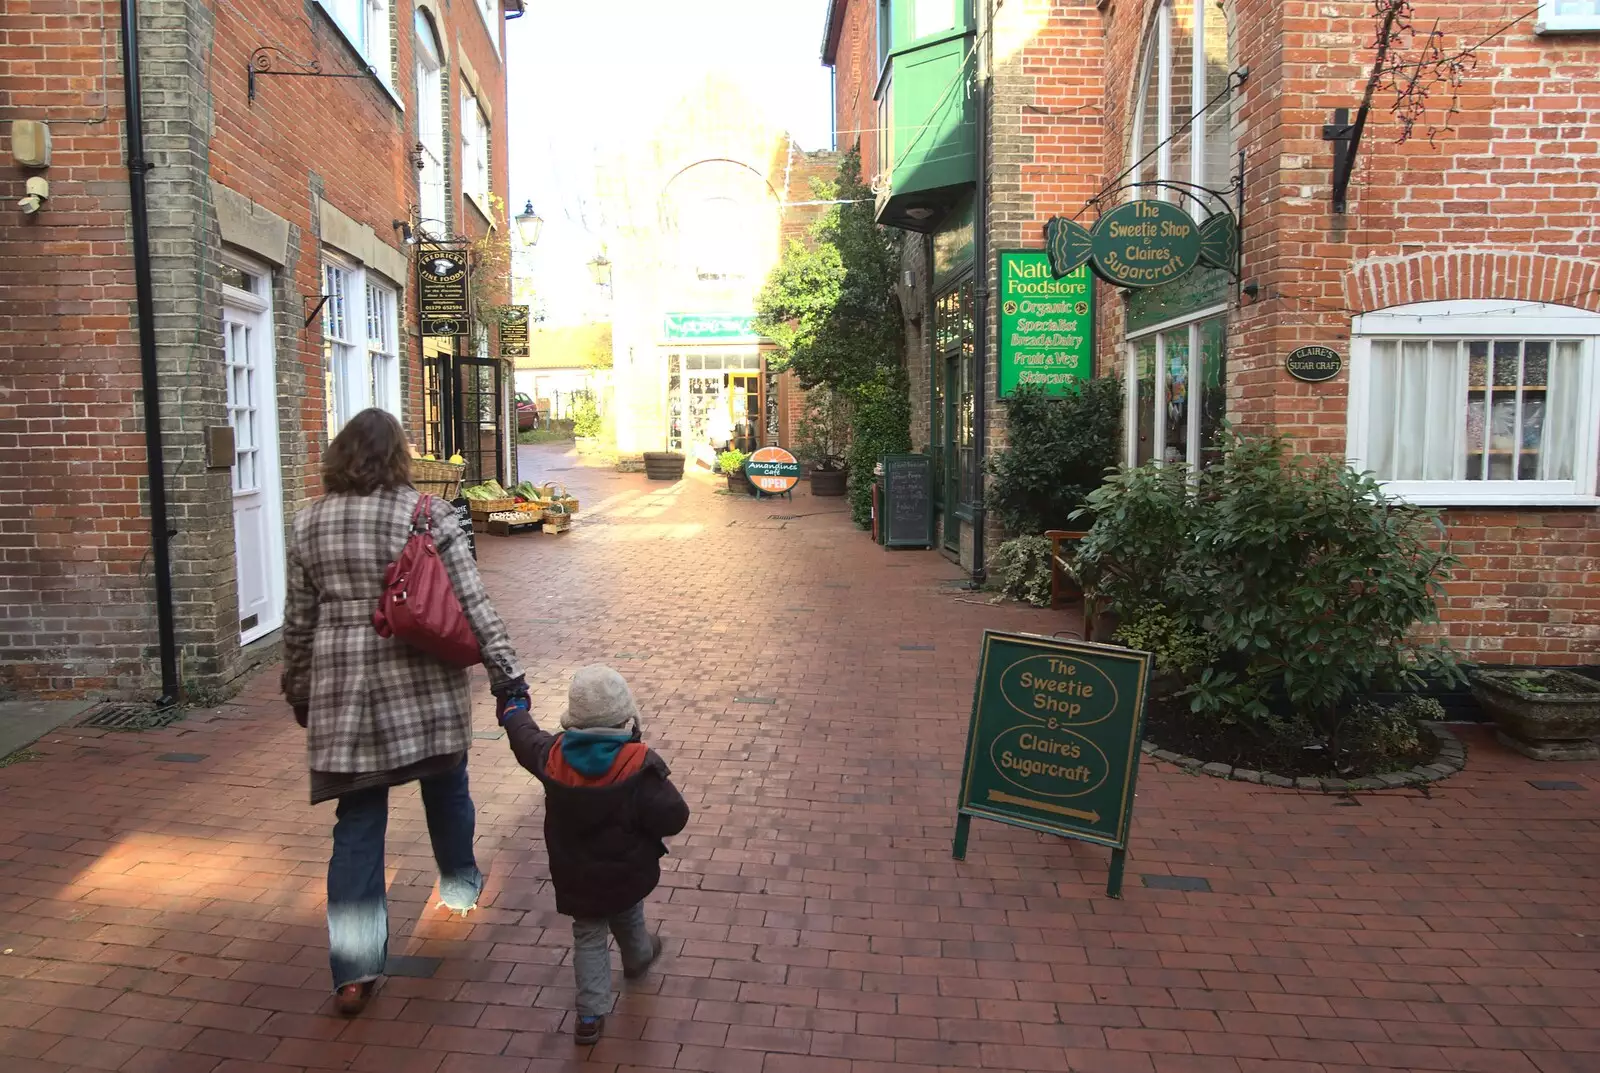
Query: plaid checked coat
[376, 704]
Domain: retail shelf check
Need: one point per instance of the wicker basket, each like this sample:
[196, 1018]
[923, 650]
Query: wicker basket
[558, 495]
[486, 507]
[557, 521]
[441, 479]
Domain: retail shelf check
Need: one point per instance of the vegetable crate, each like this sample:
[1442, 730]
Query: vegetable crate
[484, 510]
[512, 522]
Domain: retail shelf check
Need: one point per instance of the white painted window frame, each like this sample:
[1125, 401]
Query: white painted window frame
[433, 126]
[1551, 21]
[383, 342]
[1158, 52]
[476, 168]
[1190, 322]
[372, 35]
[349, 350]
[1480, 319]
[492, 13]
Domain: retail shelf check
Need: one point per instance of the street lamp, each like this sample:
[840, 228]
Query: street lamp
[529, 225]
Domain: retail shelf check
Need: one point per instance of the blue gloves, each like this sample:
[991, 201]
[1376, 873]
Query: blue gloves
[510, 699]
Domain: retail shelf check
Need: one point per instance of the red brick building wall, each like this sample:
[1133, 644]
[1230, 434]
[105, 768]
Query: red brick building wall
[1500, 207]
[76, 591]
[72, 528]
[850, 47]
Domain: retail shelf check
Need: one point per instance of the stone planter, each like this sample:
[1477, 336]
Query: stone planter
[1560, 721]
[663, 465]
[829, 482]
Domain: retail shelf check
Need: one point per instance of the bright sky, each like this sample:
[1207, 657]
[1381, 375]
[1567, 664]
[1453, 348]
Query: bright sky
[599, 73]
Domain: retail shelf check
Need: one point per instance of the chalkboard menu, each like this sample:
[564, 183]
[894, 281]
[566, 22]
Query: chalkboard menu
[907, 501]
[464, 516]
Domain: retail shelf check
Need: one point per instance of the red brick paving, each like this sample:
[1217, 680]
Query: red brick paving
[166, 917]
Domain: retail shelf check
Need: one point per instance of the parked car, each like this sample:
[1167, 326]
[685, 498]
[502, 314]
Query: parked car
[527, 413]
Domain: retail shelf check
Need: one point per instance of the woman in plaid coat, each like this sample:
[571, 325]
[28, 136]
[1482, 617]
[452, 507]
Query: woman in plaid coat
[377, 712]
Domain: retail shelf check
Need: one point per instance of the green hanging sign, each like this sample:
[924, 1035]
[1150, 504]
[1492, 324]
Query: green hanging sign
[1141, 244]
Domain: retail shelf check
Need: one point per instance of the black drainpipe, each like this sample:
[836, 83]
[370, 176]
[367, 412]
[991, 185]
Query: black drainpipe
[980, 295]
[155, 463]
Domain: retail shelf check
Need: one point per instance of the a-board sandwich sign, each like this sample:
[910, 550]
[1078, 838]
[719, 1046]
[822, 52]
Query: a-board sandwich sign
[1054, 741]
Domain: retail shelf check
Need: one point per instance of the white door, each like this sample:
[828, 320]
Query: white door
[257, 490]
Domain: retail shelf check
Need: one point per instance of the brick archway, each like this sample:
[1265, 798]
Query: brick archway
[1382, 282]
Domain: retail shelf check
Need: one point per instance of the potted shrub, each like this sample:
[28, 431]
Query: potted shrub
[1545, 714]
[822, 440]
[663, 465]
[730, 464]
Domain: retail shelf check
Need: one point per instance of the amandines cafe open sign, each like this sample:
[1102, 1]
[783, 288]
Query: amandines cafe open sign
[1142, 243]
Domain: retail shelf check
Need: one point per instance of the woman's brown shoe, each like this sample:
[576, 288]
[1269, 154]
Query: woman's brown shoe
[352, 998]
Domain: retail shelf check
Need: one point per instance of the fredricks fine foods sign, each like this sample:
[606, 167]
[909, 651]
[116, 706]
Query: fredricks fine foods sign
[442, 290]
[1054, 741]
[1143, 243]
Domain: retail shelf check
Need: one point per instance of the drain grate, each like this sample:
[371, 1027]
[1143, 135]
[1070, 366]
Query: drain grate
[130, 717]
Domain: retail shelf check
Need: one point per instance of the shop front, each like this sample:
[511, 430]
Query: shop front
[719, 393]
[466, 397]
[952, 374]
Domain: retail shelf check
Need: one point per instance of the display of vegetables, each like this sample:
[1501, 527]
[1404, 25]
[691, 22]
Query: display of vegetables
[489, 489]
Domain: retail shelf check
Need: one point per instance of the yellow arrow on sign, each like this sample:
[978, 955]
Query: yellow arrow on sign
[1077, 814]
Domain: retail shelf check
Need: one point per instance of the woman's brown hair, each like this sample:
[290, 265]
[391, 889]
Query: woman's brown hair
[370, 453]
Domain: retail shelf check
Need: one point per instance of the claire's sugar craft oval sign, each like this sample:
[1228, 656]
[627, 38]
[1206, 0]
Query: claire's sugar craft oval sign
[1314, 364]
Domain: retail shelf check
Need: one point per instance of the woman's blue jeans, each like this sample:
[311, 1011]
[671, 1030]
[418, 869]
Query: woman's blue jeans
[358, 911]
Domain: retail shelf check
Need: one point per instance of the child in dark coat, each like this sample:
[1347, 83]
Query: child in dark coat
[608, 805]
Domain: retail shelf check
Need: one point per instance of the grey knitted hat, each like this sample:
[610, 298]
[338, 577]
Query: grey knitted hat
[598, 697]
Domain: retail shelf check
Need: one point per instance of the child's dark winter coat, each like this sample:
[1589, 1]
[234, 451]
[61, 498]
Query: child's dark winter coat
[608, 805]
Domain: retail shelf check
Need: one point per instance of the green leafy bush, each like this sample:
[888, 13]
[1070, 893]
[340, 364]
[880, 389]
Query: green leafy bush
[881, 424]
[731, 461]
[823, 437]
[1058, 450]
[830, 303]
[1306, 580]
[1023, 567]
[1384, 738]
[1176, 644]
[585, 416]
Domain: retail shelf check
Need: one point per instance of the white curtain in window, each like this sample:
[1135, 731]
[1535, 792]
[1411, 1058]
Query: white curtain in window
[1562, 421]
[1419, 393]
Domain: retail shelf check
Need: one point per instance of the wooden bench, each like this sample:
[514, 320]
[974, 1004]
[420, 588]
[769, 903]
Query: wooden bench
[1062, 585]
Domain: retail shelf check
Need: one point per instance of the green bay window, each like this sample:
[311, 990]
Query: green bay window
[927, 150]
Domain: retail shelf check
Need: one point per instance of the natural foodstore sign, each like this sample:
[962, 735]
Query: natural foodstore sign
[1054, 741]
[1141, 244]
[1046, 325]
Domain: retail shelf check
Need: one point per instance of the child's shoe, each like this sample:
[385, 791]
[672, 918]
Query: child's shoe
[588, 1031]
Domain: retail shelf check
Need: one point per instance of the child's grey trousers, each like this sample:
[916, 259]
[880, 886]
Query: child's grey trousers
[591, 955]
